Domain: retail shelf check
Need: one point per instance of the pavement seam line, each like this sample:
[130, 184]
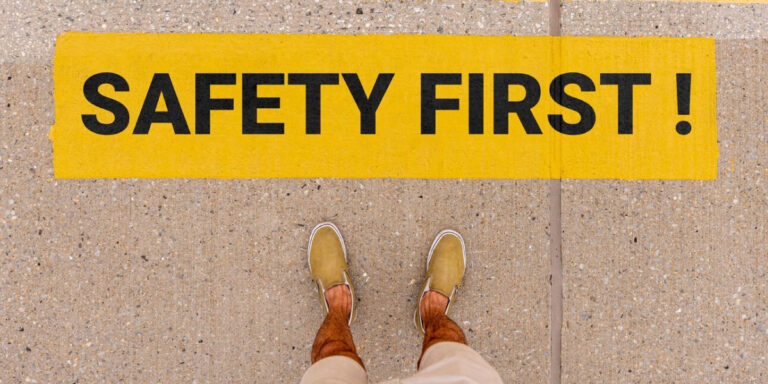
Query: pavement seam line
[555, 248]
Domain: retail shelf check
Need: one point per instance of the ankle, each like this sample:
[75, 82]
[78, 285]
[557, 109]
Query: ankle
[433, 305]
[339, 300]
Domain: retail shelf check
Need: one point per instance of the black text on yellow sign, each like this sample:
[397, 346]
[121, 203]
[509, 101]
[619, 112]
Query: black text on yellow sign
[139, 105]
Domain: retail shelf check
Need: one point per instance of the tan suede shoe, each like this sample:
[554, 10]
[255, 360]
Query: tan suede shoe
[327, 258]
[446, 262]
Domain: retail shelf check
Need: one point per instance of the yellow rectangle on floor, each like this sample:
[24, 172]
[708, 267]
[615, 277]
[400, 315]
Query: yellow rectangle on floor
[400, 106]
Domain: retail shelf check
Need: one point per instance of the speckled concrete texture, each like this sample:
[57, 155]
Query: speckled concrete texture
[667, 281]
[29, 28]
[664, 18]
[206, 280]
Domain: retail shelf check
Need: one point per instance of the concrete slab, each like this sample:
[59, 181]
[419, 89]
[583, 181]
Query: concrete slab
[206, 280]
[30, 27]
[664, 18]
[665, 281]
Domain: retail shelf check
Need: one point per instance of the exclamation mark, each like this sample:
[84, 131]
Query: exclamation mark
[683, 102]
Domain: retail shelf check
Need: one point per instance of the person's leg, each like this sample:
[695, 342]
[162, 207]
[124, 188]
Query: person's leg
[437, 325]
[334, 358]
[445, 353]
[334, 337]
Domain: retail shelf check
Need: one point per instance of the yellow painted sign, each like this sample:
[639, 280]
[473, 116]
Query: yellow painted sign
[403, 106]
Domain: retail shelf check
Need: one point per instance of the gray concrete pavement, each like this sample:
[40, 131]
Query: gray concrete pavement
[205, 280]
[665, 281]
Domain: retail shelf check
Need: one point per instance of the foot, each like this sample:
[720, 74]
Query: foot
[445, 270]
[327, 257]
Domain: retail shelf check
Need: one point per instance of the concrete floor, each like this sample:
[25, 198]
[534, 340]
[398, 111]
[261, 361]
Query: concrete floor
[205, 280]
[667, 281]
